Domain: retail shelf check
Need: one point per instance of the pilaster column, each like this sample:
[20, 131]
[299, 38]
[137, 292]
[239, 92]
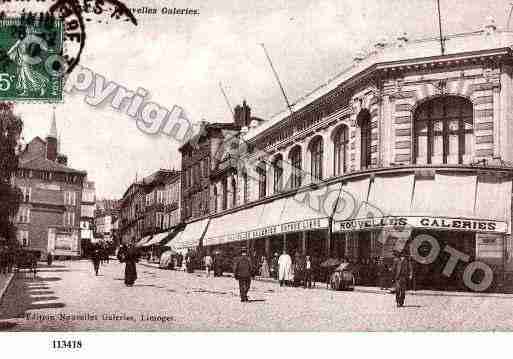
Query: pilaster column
[303, 241]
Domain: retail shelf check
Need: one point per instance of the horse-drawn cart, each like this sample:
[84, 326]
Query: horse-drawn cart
[27, 259]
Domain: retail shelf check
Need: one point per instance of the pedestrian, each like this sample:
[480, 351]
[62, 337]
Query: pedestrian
[208, 264]
[264, 268]
[308, 273]
[217, 264]
[131, 258]
[274, 266]
[96, 258]
[242, 271]
[402, 273]
[284, 268]
[49, 258]
[3, 261]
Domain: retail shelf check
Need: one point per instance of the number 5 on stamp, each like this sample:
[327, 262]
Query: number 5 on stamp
[31, 67]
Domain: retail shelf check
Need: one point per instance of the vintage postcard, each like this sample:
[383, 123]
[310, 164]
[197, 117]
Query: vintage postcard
[270, 166]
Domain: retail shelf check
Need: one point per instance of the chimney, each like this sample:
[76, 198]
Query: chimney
[242, 115]
[51, 141]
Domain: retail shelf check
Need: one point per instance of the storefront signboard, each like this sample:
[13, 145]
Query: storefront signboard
[437, 223]
[305, 225]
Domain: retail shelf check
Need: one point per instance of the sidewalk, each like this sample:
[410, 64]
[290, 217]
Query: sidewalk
[376, 290]
[5, 281]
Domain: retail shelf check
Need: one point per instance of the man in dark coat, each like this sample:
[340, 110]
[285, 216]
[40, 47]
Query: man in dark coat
[402, 273]
[96, 258]
[242, 270]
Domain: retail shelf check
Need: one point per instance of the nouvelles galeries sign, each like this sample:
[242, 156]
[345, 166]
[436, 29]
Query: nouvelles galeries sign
[437, 223]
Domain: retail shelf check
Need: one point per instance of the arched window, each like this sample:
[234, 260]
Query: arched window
[443, 131]
[295, 161]
[278, 173]
[316, 152]
[262, 179]
[234, 193]
[364, 121]
[225, 194]
[341, 146]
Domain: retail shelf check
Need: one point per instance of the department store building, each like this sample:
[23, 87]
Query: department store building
[406, 139]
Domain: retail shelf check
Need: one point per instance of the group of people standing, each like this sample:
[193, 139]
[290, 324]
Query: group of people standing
[7, 259]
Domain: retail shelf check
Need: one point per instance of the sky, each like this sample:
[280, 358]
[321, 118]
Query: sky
[180, 60]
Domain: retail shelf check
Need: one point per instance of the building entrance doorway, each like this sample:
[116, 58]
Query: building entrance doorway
[431, 275]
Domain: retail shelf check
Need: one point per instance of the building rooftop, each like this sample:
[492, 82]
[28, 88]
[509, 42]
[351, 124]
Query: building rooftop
[43, 164]
[402, 49]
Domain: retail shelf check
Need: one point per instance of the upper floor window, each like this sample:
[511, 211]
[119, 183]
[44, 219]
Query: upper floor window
[70, 198]
[27, 193]
[234, 192]
[246, 186]
[364, 121]
[215, 199]
[341, 146]
[278, 173]
[443, 131]
[316, 152]
[24, 215]
[262, 179]
[69, 219]
[149, 199]
[295, 161]
[225, 194]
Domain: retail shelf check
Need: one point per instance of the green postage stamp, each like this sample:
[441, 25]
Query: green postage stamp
[31, 65]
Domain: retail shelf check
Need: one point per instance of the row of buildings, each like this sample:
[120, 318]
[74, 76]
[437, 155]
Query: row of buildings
[59, 212]
[406, 141]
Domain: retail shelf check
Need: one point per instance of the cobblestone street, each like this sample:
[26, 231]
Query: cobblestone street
[193, 302]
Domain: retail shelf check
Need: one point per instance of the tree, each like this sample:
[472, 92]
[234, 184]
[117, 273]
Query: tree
[10, 196]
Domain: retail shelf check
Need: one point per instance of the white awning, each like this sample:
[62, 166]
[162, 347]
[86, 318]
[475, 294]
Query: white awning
[492, 197]
[142, 241]
[391, 195]
[272, 213]
[232, 227]
[190, 236]
[157, 238]
[310, 210]
[448, 194]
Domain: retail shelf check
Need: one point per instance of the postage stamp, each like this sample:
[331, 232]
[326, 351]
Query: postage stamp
[30, 64]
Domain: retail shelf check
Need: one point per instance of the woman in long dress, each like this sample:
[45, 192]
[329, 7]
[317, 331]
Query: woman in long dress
[264, 268]
[131, 258]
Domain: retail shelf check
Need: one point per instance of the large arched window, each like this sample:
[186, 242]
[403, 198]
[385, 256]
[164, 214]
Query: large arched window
[234, 193]
[295, 161]
[262, 179]
[278, 173]
[316, 152]
[341, 146]
[443, 129]
[364, 121]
